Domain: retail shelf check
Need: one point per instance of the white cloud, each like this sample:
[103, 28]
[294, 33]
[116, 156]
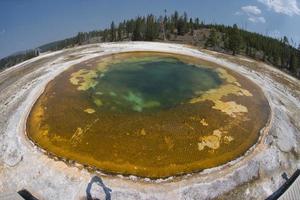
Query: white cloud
[251, 10]
[287, 7]
[238, 13]
[253, 13]
[255, 19]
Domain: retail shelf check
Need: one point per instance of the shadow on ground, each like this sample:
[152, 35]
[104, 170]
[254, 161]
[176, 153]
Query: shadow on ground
[97, 180]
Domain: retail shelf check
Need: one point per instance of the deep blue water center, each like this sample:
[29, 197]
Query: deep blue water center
[150, 84]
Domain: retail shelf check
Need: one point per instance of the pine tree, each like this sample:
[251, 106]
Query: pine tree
[181, 26]
[112, 32]
[191, 26]
[186, 25]
[285, 53]
[197, 23]
[234, 40]
[137, 30]
[120, 33]
[151, 28]
[129, 27]
[81, 38]
[105, 35]
[286, 40]
[175, 19]
[212, 39]
[294, 62]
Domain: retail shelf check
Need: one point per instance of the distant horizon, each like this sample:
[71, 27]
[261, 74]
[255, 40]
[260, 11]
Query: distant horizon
[38, 23]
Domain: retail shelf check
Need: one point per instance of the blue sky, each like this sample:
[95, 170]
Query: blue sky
[29, 23]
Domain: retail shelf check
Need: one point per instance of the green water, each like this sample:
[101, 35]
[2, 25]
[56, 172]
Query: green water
[145, 85]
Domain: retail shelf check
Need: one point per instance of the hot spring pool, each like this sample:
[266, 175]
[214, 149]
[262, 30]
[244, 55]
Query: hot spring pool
[148, 114]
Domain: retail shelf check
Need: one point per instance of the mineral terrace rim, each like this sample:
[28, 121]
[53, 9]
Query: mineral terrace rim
[228, 165]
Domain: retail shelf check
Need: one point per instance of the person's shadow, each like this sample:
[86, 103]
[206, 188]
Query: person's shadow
[98, 181]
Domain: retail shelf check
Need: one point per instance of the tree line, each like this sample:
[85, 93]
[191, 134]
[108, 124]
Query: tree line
[181, 28]
[18, 58]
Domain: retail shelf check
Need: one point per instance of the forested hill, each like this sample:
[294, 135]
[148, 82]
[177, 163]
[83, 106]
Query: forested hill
[181, 29]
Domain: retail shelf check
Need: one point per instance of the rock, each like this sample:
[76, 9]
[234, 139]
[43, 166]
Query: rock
[127, 195]
[12, 157]
[269, 140]
[285, 133]
[285, 142]
[269, 163]
[97, 192]
[295, 149]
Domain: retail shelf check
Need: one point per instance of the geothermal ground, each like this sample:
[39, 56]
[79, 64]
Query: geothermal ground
[257, 174]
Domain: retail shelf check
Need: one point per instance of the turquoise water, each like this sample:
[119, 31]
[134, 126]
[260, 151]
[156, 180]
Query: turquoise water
[151, 84]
